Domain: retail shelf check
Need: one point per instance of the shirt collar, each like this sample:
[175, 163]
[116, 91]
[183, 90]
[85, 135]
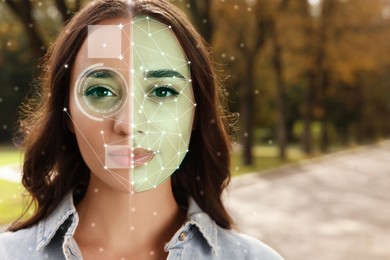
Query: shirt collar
[48, 227]
[206, 226]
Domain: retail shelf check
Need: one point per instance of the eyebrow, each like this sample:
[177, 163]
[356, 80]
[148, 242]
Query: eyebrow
[163, 74]
[99, 74]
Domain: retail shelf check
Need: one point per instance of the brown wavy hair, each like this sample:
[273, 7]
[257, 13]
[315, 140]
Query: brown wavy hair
[53, 165]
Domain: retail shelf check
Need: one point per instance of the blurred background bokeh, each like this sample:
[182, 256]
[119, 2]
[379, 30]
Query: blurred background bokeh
[306, 77]
[310, 75]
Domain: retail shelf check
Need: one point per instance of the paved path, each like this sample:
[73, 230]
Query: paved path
[333, 208]
[10, 173]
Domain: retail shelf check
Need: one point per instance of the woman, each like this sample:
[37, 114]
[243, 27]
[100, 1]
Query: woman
[126, 150]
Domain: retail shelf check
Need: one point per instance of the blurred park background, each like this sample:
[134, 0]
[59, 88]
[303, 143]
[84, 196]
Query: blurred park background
[306, 77]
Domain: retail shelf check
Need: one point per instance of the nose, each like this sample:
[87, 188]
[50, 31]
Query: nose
[122, 121]
[131, 119]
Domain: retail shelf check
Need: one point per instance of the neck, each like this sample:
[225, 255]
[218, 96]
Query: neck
[119, 224]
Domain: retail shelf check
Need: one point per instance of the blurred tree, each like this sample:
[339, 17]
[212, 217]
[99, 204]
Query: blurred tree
[276, 30]
[25, 10]
[242, 31]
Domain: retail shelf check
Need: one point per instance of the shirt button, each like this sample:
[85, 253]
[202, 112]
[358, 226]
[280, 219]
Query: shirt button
[183, 236]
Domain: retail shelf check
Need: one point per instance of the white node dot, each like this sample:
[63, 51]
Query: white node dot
[102, 132]
[154, 186]
[132, 228]
[169, 27]
[154, 213]
[105, 167]
[93, 224]
[105, 145]
[150, 35]
[133, 209]
[132, 182]
[65, 109]
[178, 153]
[101, 249]
[66, 66]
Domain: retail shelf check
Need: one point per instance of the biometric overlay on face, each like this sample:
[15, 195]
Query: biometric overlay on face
[131, 103]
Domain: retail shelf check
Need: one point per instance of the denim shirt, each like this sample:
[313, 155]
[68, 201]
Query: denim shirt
[199, 238]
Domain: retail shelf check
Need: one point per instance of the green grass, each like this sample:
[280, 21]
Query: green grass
[9, 155]
[11, 201]
[265, 157]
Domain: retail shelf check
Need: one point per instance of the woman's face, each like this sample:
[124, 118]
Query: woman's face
[131, 103]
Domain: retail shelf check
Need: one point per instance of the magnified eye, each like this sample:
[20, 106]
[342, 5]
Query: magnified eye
[102, 90]
[99, 91]
[163, 92]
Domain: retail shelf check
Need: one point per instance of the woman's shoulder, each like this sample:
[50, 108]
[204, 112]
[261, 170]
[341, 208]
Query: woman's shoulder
[236, 244]
[23, 240]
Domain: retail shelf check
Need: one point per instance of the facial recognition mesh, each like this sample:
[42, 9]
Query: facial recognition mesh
[135, 90]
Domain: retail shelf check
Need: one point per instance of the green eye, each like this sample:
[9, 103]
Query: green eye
[99, 92]
[164, 91]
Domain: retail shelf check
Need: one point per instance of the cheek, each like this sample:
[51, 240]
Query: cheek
[172, 120]
[89, 137]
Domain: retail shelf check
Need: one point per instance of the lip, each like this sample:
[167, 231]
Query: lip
[125, 157]
[141, 157]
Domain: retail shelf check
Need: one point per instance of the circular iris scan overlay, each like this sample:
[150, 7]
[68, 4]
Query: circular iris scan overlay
[100, 92]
